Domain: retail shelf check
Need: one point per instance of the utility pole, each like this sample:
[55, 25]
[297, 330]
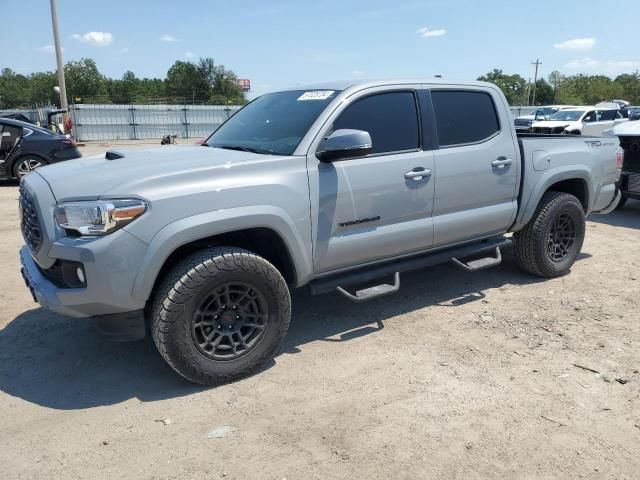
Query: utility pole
[535, 80]
[56, 40]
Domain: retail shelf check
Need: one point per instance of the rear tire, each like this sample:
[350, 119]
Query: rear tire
[27, 164]
[550, 243]
[220, 314]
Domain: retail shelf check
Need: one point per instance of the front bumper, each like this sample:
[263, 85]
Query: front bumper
[110, 265]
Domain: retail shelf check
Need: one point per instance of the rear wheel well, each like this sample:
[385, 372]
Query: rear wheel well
[576, 187]
[262, 241]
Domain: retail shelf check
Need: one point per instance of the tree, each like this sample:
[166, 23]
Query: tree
[630, 84]
[14, 89]
[41, 91]
[85, 81]
[186, 80]
[222, 83]
[513, 86]
[544, 92]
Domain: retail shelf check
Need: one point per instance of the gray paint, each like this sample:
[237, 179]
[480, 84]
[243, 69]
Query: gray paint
[197, 192]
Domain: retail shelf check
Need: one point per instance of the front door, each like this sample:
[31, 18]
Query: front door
[476, 166]
[369, 208]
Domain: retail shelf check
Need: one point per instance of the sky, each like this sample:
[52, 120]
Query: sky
[281, 43]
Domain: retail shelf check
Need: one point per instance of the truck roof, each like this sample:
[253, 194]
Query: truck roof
[344, 84]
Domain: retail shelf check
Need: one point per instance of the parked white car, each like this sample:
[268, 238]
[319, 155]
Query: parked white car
[592, 121]
[523, 122]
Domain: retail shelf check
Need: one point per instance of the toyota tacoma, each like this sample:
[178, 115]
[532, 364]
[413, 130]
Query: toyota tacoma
[334, 186]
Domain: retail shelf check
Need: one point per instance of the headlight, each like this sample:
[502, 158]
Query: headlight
[99, 217]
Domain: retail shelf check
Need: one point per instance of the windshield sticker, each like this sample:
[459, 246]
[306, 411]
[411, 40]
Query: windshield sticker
[316, 95]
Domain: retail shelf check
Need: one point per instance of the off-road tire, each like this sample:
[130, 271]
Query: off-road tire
[531, 243]
[180, 293]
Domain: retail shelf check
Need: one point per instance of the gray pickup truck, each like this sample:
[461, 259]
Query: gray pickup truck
[336, 186]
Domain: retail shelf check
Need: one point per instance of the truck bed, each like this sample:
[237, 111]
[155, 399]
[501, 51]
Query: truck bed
[544, 158]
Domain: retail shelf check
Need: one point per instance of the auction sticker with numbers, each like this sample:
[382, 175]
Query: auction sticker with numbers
[316, 95]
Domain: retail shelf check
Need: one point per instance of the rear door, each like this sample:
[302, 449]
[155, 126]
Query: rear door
[476, 165]
[598, 121]
[10, 136]
[368, 208]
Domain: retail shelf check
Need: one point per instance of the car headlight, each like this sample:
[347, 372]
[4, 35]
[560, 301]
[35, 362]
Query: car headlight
[98, 217]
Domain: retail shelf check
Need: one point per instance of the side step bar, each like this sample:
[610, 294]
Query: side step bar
[368, 274]
[480, 263]
[373, 292]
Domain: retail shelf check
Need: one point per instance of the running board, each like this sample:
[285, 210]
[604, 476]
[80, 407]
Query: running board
[480, 263]
[407, 264]
[373, 292]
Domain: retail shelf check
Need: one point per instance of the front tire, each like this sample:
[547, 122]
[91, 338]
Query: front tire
[220, 315]
[550, 243]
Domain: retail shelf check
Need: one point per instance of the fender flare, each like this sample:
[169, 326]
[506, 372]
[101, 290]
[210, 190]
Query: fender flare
[570, 172]
[196, 227]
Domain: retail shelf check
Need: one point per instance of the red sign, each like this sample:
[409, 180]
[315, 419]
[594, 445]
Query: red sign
[244, 83]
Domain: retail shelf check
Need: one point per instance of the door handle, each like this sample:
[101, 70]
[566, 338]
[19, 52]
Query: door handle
[417, 173]
[501, 162]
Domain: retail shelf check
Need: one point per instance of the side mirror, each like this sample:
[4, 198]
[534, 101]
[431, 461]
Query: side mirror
[344, 143]
[587, 119]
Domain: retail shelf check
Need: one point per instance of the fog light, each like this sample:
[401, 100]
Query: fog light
[80, 274]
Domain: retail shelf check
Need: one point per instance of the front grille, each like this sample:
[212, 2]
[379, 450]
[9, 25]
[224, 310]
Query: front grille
[549, 130]
[29, 223]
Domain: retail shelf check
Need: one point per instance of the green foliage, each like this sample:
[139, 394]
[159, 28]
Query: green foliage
[513, 86]
[186, 82]
[569, 90]
[544, 93]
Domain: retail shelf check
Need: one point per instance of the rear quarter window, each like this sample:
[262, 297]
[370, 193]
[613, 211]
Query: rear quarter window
[464, 116]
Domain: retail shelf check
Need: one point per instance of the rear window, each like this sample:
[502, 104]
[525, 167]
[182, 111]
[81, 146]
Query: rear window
[464, 116]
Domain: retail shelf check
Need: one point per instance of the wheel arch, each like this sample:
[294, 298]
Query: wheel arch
[577, 182]
[271, 237]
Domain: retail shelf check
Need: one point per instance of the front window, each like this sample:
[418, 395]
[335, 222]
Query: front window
[567, 115]
[273, 123]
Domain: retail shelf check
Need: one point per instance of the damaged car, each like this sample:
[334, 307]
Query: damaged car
[589, 121]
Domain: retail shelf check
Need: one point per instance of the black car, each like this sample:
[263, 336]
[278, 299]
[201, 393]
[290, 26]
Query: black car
[25, 147]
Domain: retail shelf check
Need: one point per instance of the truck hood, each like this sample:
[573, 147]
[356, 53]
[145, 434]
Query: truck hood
[552, 124]
[139, 171]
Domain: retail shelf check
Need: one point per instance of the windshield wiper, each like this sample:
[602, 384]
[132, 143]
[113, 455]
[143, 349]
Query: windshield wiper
[242, 148]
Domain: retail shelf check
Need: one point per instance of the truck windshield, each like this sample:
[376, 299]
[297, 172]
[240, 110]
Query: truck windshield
[273, 123]
[571, 115]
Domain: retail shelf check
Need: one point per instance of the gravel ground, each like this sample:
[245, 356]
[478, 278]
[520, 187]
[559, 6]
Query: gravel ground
[457, 376]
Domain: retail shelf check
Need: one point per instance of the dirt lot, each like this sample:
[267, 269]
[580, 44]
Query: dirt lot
[457, 376]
